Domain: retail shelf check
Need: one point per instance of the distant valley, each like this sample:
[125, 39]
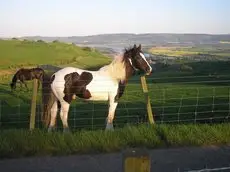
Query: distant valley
[115, 43]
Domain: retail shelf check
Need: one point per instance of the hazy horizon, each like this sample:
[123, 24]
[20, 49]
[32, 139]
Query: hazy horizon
[57, 18]
[111, 34]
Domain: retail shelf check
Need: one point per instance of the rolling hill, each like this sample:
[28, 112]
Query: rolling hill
[16, 54]
[147, 39]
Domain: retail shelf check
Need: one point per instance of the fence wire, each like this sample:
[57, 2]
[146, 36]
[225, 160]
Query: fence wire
[206, 99]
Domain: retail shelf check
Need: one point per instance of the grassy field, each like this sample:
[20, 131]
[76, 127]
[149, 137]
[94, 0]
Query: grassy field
[220, 51]
[21, 143]
[197, 96]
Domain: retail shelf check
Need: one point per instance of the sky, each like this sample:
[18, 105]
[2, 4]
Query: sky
[90, 17]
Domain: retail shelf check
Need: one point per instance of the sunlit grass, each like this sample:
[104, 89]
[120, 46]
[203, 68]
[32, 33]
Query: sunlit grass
[16, 54]
[189, 51]
[20, 143]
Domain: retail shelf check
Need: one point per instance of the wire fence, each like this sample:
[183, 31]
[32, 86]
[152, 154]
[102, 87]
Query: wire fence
[180, 99]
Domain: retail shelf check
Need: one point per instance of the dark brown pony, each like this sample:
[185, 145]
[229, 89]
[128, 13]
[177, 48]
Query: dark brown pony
[26, 74]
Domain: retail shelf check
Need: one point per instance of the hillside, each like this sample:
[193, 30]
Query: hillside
[146, 39]
[15, 54]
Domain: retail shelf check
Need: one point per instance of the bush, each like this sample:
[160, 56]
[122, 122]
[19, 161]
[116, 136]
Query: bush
[55, 41]
[88, 49]
[41, 41]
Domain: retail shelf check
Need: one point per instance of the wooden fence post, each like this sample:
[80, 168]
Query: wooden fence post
[33, 104]
[148, 104]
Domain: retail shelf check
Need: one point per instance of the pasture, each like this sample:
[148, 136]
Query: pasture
[179, 100]
[220, 51]
[197, 96]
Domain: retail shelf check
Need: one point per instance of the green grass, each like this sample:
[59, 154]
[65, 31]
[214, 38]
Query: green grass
[21, 143]
[16, 53]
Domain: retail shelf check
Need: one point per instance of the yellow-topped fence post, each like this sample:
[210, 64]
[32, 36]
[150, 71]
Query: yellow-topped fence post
[136, 160]
[33, 104]
[147, 99]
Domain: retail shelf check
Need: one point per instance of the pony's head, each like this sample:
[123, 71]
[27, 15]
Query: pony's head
[12, 86]
[138, 60]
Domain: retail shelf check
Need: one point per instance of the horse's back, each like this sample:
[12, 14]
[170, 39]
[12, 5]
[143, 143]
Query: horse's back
[100, 86]
[59, 77]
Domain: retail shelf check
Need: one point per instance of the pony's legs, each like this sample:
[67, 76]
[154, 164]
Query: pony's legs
[23, 82]
[20, 85]
[54, 110]
[64, 115]
[25, 85]
[112, 109]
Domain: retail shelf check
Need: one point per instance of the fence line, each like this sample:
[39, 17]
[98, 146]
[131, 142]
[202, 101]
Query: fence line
[171, 103]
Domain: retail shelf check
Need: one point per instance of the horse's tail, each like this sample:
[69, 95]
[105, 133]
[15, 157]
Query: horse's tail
[48, 98]
[14, 80]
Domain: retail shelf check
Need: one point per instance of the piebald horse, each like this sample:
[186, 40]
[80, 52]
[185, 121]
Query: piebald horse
[106, 84]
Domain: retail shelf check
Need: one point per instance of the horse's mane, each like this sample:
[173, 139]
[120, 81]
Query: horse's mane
[117, 68]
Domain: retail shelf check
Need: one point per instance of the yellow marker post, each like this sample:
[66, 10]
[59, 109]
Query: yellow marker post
[147, 99]
[33, 104]
[136, 160]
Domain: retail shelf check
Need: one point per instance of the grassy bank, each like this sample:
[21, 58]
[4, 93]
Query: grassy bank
[21, 143]
[18, 53]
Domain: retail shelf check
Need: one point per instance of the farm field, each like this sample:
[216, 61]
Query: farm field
[179, 99]
[221, 51]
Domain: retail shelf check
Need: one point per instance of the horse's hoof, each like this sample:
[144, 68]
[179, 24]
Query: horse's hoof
[51, 129]
[109, 127]
[66, 130]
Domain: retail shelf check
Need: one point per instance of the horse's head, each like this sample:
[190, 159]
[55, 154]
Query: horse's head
[138, 60]
[12, 86]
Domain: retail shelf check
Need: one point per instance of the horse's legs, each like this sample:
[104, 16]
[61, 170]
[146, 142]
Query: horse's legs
[20, 85]
[25, 85]
[112, 109]
[64, 115]
[54, 110]
[23, 82]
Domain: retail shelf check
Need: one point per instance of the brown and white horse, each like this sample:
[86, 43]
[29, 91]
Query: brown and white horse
[106, 84]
